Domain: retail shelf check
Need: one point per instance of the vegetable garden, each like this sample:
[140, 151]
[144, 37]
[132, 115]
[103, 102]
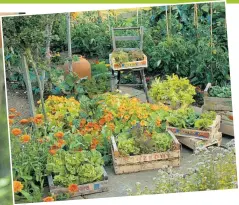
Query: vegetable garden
[78, 125]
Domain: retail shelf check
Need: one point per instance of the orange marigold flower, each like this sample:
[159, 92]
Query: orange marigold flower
[16, 131]
[158, 122]
[90, 124]
[18, 186]
[11, 121]
[52, 151]
[17, 113]
[154, 107]
[73, 188]
[12, 110]
[133, 122]
[39, 116]
[143, 123]
[111, 126]
[59, 135]
[82, 122]
[96, 127]
[102, 121]
[11, 116]
[126, 117]
[24, 121]
[230, 117]
[25, 138]
[48, 199]
[60, 143]
[108, 117]
[37, 121]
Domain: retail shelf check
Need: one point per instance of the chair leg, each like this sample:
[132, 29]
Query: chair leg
[112, 81]
[142, 77]
[118, 78]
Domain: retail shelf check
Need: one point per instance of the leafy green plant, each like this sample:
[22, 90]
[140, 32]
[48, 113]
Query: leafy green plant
[174, 90]
[139, 140]
[188, 118]
[75, 167]
[221, 92]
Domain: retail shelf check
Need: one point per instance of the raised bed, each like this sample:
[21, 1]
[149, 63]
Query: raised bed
[223, 107]
[128, 65]
[137, 163]
[227, 126]
[196, 144]
[216, 103]
[208, 134]
[84, 189]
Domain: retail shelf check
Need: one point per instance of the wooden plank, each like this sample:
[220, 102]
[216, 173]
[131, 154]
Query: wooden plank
[217, 104]
[141, 38]
[227, 129]
[209, 85]
[146, 166]
[115, 148]
[127, 28]
[194, 144]
[177, 145]
[138, 159]
[127, 38]
[113, 39]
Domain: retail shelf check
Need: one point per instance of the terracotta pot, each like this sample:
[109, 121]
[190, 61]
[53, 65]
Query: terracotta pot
[81, 67]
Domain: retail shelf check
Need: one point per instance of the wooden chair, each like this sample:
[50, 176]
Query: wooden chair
[140, 69]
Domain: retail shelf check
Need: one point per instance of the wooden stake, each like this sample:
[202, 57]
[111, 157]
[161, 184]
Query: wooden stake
[28, 85]
[211, 11]
[68, 21]
[166, 13]
[137, 17]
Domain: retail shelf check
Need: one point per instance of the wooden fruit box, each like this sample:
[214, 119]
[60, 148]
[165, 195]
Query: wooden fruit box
[227, 126]
[128, 65]
[197, 144]
[216, 103]
[137, 163]
[208, 134]
[84, 189]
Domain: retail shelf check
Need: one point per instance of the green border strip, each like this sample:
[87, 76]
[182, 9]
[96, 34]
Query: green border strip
[101, 2]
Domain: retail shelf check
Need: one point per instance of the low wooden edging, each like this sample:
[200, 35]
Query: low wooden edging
[197, 144]
[216, 103]
[84, 189]
[137, 163]
[198, 134]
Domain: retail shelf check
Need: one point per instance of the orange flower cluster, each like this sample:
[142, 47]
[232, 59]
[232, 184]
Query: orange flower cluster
[94, 143]
[18, 186]
[25, 138]
[73, 188]
[58, 145]
[48, 199]
[16, 131]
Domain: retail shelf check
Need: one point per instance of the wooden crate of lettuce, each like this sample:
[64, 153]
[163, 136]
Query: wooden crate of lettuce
[84, 170]
[219, 99]
[128, 158]
[186, 123]
[120, 59]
